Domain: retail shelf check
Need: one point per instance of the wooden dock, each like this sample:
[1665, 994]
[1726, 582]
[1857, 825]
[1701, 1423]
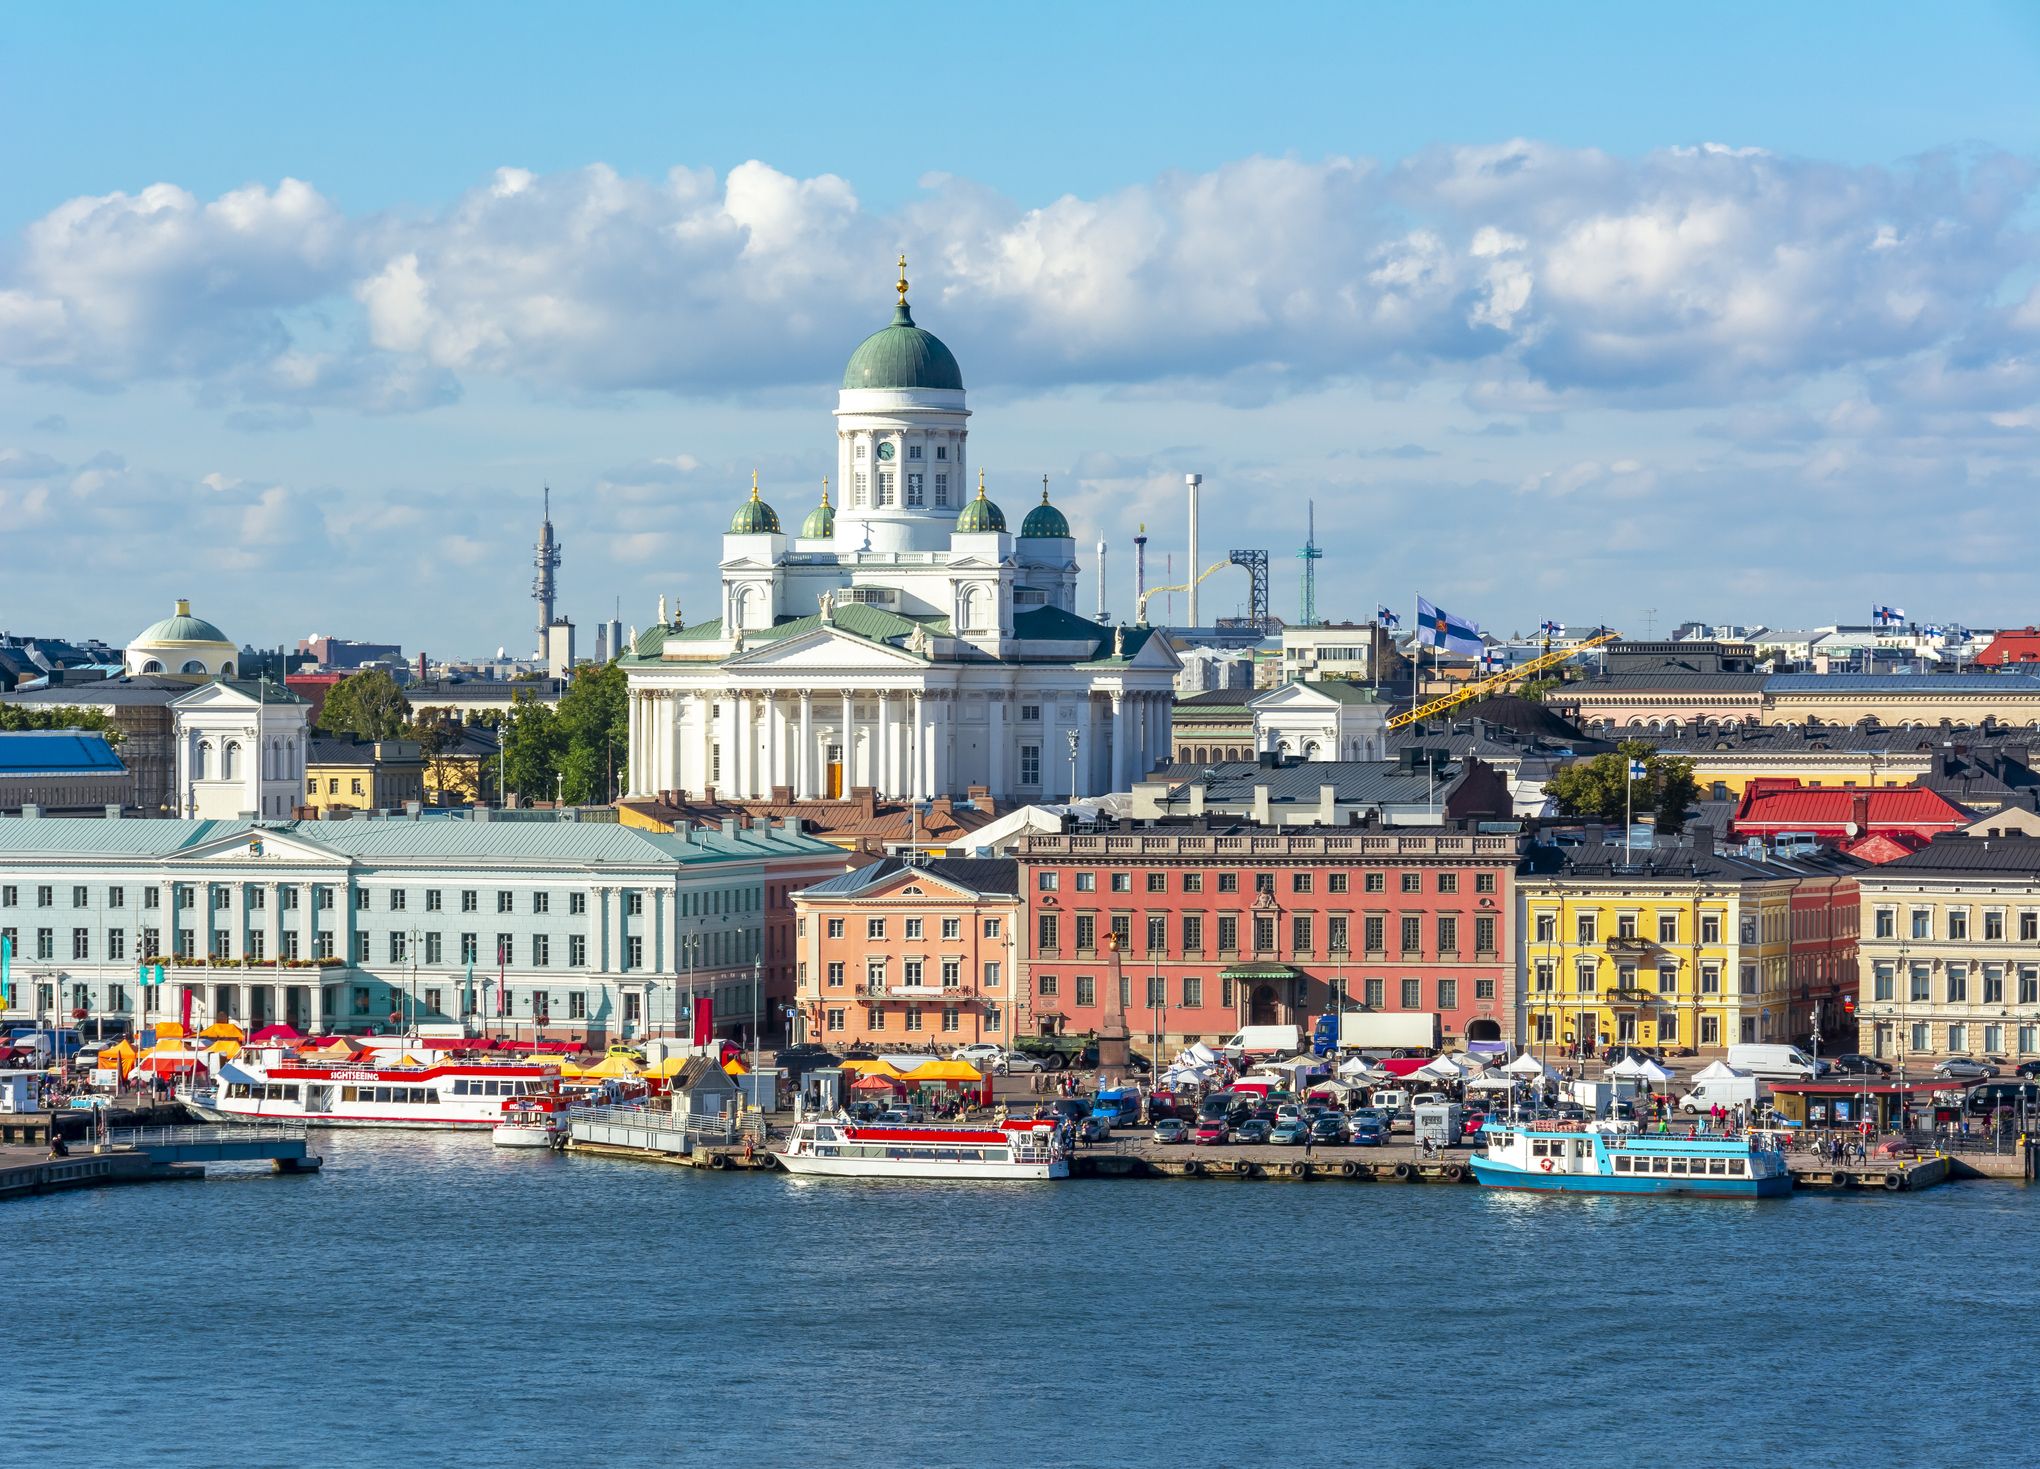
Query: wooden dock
[1891, 1175]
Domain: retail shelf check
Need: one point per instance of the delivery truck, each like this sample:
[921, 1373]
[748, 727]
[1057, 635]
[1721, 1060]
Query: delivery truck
[1257, 1042]
[1375, 1031]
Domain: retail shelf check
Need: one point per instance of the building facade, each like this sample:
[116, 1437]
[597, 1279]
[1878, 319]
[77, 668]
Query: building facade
[240, 750]
[1681, 946]
[921, 953]
[363, 775]
[579, 930]
[1224, 925]
[1951, 952]
[905, 640]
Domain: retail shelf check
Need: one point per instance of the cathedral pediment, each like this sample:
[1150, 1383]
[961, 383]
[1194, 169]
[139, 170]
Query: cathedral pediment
[824, 649]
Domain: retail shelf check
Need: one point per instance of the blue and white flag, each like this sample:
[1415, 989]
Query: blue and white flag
[1437, 628]
[1637, 770]
[1555, 629]
[1386, 618]
[1888, 614]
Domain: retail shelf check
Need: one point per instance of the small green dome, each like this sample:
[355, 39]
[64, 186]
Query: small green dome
[754, 517]
[901, 355]
[1044, 522]
[980, 515]
[182, 627]
[820, 524]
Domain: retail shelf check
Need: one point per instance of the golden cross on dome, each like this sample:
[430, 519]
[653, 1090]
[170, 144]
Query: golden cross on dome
[825, 492]
[902, 288]
[981, 484]
[754, 484]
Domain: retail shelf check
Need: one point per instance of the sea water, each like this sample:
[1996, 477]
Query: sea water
[430, 1300]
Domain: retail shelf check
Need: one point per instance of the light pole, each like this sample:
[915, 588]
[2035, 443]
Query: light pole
[1073, 738]
[757, 1018]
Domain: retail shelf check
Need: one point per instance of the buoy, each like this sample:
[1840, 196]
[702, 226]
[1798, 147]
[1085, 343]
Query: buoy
[1349, 1170]
[719, 1160]
[1453, 1173]
[1192, 1168]
[1402, 1171]
[1894, 1181]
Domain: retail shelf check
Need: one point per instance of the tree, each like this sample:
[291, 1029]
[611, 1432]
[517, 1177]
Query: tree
[594, 720]
[533, 748]
[367, 705]
[44, 716]
[1600, 788]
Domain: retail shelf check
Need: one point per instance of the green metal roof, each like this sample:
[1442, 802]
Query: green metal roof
[1045, 522]
[754, 517]
[182, 627]
[820, 524]
[902, 356]
[980, 516]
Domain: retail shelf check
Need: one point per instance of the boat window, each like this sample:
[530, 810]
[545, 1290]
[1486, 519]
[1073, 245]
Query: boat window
[1621, 1164]
[1678, 1165]
[1717, 1165]
[1660, 1165]
[460, 1086]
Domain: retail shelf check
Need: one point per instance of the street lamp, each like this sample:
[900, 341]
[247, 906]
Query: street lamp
[1073, 738]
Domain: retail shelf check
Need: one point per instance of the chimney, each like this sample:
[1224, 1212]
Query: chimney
[729, 827]
[1328, 804]
[1262, 815]
[1859, 812]
[1700, 838]
[1196, 799]
[421, 668]
[782, 795]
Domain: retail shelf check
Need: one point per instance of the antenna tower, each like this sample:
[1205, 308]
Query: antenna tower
[1310, 555]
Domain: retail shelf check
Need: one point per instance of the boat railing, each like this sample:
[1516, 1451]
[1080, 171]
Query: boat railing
[161, 1137]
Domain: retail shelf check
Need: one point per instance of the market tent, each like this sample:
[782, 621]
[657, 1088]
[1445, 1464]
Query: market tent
[944, 1071]
[227, 1048]
[1493, 1084]
[622, 1068]
[1335, 1088]
[671, 1067]
[1528, 1065]
[168, 1030]
[1361, 1069]
[1442, 1068]
[735, 1067]
[1653, 1073]
[1199, 1054]
[278, 1032]
[877, 1081]
[1628, 1068]
[878, 1065]
[340, 1048]
[120, 1056]
[1718, 1071]
[223, 1030]
[171, 1062]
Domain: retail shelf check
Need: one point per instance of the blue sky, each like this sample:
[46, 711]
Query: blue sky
[1555, 311]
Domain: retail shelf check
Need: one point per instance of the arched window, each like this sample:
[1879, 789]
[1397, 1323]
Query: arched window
[227, 669]
[192, 665]
[152, 666]
[230, 758]
[205, 759]
[976, 605]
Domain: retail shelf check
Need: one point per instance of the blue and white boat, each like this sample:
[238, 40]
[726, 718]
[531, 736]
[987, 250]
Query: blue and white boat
[1615, 1158]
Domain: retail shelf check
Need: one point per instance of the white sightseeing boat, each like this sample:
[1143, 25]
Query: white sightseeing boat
[531, 1122]
[368, 1093]
[831, 1147]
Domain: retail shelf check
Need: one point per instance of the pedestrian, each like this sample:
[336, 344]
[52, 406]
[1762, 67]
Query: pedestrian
[1309, 1144]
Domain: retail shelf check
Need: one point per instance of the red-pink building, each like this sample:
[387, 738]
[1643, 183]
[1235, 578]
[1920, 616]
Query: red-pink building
[1826, 917]
[1222, 925]
[1905, 817]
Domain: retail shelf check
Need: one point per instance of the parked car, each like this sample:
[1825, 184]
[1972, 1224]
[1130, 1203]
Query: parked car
[1380, 1119]
[1015, 1062]
[1172, 1130]
[1287, 1112]
[1211, 1131]
[1964, 1068]
[978, 1053]
[1289, 1132]
[1253, 1130]
[1627, 1053]
[1328, 1129]
[1095, 1129]
[1366, 1131]
[2028, 1069]
[1855, 1063]
[2013, 1096]
[1471, 1125]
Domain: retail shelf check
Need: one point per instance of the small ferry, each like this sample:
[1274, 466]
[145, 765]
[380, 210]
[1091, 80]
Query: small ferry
[1613, 1158]
[530, 1122]
[832, 1147]
[371, 1093]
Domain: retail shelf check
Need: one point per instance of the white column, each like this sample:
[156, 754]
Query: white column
[1119, 742]
[945, 736]
[704, 729]
[884, 778]
[804, 758]
[917, 746]
[631, 776]
[747, 748]
[995, 744]
[849, 741]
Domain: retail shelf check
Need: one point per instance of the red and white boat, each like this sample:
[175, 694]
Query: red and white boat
[369, 1092]
[830, 1147]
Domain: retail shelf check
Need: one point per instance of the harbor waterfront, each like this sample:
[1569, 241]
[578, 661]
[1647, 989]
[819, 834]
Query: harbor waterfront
[683, 1317]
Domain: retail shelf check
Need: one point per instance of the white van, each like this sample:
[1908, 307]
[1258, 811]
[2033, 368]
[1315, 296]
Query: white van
[1773, 1062]
[1730, 1091]
[1255, 1041]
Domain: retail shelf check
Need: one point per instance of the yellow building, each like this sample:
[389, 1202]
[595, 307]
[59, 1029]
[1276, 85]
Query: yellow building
[365, 775]
[1675, 945]
[463, 769]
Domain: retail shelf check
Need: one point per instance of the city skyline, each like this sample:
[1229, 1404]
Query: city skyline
[1585, 353]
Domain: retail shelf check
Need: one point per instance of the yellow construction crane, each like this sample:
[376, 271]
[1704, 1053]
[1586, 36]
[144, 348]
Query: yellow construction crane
[1140, 610]
[1496, 682]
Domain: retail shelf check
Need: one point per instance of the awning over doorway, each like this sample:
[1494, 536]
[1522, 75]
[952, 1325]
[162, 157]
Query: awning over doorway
[1252, 972]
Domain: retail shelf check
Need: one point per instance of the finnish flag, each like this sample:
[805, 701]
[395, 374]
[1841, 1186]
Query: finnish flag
[1637, 770]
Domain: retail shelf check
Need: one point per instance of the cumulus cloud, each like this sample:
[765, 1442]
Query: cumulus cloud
[1685, 275]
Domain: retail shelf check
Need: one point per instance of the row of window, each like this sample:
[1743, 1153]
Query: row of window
[1190, 992]
[1989, 1039]
[1587, 928]
[912, 971]
[1049, 880]
[913, 451]
[1447, 932]
[693, 904]
[716, 949]
[913, 1018]
[1960, 983]
[1586, 978]
[915, 928]
[1957, 927]
[1544, 1029]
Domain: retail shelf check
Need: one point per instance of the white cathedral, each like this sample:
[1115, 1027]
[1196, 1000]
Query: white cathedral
[905, 640]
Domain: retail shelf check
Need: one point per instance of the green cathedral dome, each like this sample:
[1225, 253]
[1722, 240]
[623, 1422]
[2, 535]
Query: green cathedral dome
[901, 355]
[1045, 522]
[754, 517]
[820, 524]
[980, 515]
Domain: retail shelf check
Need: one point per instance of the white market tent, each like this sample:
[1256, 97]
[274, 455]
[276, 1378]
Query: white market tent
[1653, 1073]
[1493, 1084]
[1528, 1065]
[1442, 1068]
[1628, 1068]
[1718, 1071]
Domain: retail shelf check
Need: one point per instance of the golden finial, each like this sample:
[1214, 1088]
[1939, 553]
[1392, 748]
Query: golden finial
[902, 288]
[981, 484]
[754, 484]
[825, 492]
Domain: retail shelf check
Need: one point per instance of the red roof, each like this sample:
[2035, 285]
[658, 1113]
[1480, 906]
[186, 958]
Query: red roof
[1884, 846]
[2013, 645]
[1772, 806]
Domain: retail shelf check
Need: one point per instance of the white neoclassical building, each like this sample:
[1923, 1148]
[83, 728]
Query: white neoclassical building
[906, 640]
[240, 750]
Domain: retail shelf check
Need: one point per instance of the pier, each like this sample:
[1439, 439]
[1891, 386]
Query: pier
[283, 1145]
[660, 1137]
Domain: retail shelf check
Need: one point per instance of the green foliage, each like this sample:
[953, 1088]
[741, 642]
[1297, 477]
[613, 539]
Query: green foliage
[1535, 689]
[367, 705]
[594, 719]
[533, 747]
[1599, 789]
[44, 716]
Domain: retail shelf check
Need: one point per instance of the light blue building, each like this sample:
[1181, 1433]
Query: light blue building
[582, 930]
